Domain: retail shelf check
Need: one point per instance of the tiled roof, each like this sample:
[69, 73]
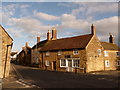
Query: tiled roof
[40, 44]
[109, 46]
[78, 42]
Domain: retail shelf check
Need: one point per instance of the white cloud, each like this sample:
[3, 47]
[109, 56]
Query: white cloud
[28, 25]
[107, 25]
[103, 26]
[46, 16]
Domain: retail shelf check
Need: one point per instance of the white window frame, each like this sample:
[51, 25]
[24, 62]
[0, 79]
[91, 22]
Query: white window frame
[74, 52]
[47, 63]
[47, 53]
[106, 53]
[73, 63]
[107, 63]
[99, 51]
[61, 63]
[117, 62]
[60, 52]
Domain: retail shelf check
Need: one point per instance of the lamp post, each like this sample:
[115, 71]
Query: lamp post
[6, 59]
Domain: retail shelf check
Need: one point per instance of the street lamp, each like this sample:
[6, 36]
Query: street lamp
[6, 58]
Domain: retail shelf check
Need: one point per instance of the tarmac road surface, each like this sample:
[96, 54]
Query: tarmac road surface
[54, 79]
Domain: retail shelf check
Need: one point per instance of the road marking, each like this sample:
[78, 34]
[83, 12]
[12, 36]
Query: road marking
[22, 82]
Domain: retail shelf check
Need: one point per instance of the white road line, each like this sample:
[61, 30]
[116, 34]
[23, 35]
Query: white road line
[21, 81]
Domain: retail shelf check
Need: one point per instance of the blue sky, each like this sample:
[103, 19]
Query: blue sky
[25, 20]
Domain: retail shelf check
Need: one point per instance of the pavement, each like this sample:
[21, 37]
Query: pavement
[15, 81]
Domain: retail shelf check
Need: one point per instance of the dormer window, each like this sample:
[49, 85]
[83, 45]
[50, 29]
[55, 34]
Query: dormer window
[60, 52]
[99, 51]
[47, 53]
[75, 52]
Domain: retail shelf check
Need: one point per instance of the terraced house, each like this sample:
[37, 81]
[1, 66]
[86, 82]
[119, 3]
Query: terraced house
[83, 53]
[5, 49]
[24, 57]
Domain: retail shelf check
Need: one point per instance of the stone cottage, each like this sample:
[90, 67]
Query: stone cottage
[85, 53]
[24, 57]
[6, 43]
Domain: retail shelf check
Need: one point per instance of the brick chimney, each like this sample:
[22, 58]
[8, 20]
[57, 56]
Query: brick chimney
[48, 35]
[38, 39]
[111, 38]
[26, 44]
[54, 33]
[93, 30]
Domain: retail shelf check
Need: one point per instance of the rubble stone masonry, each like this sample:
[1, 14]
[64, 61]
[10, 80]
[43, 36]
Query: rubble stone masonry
[6, 44]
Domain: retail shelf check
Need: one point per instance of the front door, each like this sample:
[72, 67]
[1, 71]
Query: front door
[54, 65]
[69, 68]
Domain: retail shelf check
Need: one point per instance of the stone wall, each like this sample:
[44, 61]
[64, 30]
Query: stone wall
[1, 53]
[6, 40]
[95, 62]
[112, 58]
[54, 57]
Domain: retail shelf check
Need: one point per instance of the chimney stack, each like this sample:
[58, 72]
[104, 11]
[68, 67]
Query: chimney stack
[111, 38]
[48, 35]
[93, 30]
[38, 39]
[23, 48]
[54, 33]
[26, 44]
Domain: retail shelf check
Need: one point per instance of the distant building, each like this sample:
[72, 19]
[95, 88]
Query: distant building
[24, 57]
[83, 53]
[5, 49]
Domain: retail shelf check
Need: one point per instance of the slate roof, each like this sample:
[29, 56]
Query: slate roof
[109, 46]
[78, 42]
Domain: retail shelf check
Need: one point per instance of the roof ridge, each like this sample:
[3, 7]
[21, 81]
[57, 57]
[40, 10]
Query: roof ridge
[71, 37]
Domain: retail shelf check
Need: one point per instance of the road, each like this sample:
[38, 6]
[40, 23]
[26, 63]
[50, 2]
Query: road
[53, 79]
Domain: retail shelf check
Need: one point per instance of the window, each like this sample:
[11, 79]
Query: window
[105, 53]
[47, 63]
[118, 62]
[117, 54]
[99, 51]
[107, 63]
[75, 63]
[47, 53]
[62, 63]
[75, 52]
[59, 52]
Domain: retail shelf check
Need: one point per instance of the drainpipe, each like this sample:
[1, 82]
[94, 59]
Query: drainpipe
[6, 59]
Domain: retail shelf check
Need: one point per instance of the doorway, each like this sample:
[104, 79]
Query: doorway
[54, 65]
[69, 64]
